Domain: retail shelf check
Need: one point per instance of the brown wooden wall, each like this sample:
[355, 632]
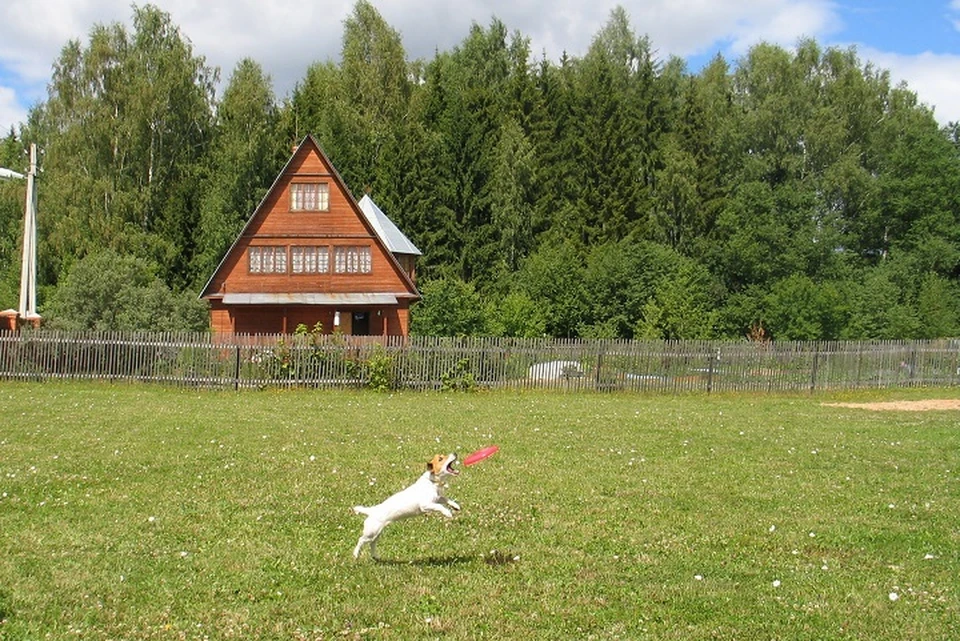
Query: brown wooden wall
[342, 224]
[283, 319]
[275, 224]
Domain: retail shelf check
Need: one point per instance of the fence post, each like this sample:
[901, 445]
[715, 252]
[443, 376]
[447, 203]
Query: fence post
[813, 370]
[236, 369]
[912, 370]
[596, 384]
[711, 359]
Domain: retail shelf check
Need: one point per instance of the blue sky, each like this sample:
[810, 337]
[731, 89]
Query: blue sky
[918, 42]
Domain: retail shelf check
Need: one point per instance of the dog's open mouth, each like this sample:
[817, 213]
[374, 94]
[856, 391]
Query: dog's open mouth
[451, 469]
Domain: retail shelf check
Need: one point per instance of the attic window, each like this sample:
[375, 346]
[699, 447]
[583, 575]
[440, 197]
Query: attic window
[309, 197]
[268, 260]
[352, 260]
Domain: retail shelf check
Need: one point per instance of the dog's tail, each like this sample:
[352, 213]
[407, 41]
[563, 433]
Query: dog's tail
[359, 509]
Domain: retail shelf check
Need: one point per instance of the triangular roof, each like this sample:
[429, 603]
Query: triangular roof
[304, 146]
[395, 239]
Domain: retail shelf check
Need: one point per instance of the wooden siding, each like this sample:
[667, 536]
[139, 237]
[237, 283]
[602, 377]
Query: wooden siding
[274, 223]
[284, 319]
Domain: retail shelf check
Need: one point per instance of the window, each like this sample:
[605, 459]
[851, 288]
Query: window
[310, 260]
[309, 197]
[352, 260]
[268, 260]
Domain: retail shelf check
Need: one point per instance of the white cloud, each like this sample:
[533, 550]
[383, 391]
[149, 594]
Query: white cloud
[935, 78]
[286, 36]
[786, 22]
[10, 110]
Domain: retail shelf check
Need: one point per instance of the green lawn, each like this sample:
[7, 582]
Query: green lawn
[133, 512]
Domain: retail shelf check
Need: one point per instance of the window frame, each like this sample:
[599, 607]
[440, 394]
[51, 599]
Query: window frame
[309, 196]
[314, 259]
[267, 259]
[352, 259]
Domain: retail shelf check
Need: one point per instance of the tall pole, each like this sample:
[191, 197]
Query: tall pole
[28, 266]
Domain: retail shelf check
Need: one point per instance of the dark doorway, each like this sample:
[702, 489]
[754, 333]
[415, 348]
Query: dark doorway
[361, 324]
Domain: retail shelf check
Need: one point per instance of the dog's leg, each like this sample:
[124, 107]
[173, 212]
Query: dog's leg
[450, 502]
[371, 530]
[436, 507]
[368, 539]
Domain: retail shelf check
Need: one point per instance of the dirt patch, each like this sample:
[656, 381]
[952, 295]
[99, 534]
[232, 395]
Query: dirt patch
[905, 406]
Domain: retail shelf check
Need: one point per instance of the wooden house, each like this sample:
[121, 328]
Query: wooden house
[311, 253]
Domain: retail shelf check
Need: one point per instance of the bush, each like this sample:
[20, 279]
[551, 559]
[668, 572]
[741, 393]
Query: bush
[108, 291]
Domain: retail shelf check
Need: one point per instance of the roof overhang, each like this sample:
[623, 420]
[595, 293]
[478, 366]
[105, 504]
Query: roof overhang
[309, 299]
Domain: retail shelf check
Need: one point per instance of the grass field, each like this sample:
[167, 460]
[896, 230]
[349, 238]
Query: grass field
[131, 512]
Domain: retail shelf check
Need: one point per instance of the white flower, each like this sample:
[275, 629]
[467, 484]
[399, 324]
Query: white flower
[776, 583]
[698, 577]
[773, 528]
[894, 596]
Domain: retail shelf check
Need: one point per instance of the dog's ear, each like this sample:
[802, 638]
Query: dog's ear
[435, 464]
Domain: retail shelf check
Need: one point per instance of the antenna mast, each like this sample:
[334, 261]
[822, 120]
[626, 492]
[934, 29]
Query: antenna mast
[28, 267]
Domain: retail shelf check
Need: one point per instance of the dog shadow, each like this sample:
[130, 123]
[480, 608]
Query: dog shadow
[495, 558]
[430, 561]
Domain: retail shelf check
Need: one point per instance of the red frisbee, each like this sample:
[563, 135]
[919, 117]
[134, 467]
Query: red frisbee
[481, 454]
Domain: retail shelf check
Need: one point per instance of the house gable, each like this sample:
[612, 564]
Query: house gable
[307, 251]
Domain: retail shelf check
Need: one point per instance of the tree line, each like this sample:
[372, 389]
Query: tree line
[791, 194]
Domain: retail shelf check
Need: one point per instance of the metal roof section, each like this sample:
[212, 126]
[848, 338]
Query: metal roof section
[393, 238]
[309, 299]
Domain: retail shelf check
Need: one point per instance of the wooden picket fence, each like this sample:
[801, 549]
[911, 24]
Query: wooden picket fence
[430, 363]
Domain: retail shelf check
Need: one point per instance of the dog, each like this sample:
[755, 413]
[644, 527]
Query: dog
[420, 498]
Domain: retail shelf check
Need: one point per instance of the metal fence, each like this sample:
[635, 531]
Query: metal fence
[332, 361]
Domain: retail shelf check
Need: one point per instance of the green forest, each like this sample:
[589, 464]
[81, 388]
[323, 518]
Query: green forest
[790, 194]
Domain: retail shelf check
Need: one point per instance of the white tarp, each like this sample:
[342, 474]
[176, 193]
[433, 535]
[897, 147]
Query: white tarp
[9, 174]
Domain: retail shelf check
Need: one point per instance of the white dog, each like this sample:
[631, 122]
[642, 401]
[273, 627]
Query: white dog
[420, 498]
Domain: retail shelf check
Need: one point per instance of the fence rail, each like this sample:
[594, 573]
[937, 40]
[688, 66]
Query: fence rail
[242, 361]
